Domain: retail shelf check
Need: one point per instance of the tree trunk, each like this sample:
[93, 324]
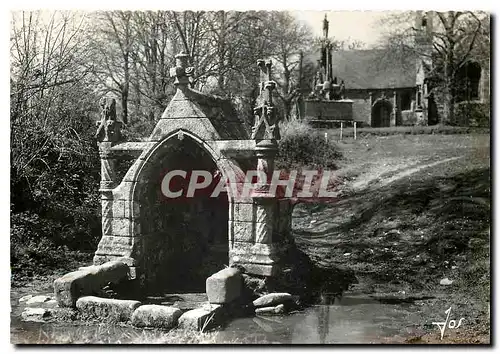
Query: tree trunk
[448, 92]
[221, 53]
[125, 90]
[287, 105]
[286, 90]
[125, 106]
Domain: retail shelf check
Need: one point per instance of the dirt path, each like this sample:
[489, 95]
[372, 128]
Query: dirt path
[380, 175]
[415, 169]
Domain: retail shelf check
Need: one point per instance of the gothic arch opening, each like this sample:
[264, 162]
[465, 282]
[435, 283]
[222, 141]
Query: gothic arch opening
[468, 79]
[381, 114]
[184, 239]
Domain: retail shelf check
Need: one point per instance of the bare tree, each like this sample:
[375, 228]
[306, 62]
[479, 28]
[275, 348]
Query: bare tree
[152, 58]
[288, 39]
[46, 54]
[113, 46]
[192, 30]
[453, 37]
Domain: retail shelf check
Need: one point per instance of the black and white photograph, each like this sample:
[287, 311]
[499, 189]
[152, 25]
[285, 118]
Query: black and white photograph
[227, 177]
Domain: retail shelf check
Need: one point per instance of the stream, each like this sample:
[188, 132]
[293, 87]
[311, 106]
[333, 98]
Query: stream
[351, 320]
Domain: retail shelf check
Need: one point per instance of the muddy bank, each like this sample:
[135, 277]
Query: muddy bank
[415, 228]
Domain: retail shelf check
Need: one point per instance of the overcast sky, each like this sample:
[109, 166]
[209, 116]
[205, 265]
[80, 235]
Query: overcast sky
[344, 25]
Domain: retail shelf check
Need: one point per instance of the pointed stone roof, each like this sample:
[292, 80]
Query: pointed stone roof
[189, 105]
[194, 111]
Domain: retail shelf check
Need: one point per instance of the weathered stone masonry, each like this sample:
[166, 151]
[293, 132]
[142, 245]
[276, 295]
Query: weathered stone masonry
[257, 226]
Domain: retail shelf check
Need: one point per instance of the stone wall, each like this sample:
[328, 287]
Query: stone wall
[361, 110]
[408, 118]
[328, 110]
[363, 99]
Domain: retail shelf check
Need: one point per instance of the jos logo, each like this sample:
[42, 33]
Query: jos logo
[450, 324]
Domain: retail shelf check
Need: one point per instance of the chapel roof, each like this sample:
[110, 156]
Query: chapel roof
[372, 69]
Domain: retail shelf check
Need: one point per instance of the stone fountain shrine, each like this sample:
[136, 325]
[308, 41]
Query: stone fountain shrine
[190, 245]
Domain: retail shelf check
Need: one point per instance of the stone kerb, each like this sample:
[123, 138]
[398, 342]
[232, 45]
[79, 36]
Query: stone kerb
[103, 308]
[156, 316]
[88, 281]
[224, 286]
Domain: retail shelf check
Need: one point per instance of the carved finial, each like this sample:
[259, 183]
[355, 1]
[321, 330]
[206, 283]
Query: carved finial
[108, 127]
[325, 27]
[181, 71]
[269, 64]
[265, 127]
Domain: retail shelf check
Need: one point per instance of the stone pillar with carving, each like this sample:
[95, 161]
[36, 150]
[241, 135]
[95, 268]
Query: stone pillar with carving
[266, 133]
[106, 187]
[263, 253]
[108, 134]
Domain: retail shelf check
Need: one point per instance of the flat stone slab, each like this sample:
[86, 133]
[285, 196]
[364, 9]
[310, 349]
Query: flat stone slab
[35, 314]
[184, 302]
[25, 298]
[156, 316]
[46, 301]
[98, 307]
[201, 319]
[44, 314]
[271, 310]
[272, 299]
[224, 286]
[39, 299]
[88, 281]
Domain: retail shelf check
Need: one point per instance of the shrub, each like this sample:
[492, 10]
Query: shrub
[472, 114]
[32, 249]
[302, 146]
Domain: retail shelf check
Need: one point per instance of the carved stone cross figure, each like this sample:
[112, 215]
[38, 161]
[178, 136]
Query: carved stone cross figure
[181, 71]
[265, 126]
[108, 127]
[342, 89]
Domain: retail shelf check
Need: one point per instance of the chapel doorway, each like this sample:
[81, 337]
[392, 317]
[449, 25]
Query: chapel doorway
[381, 114]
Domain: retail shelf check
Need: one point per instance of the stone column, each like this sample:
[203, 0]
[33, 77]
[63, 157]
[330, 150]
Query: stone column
[108, 133]
[371, 106]
[394, 109]
[264, 201]
[106, 187]
[258, 252]
[264, 253]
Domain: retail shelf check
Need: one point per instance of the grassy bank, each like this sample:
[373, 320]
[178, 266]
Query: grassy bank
[106, 333]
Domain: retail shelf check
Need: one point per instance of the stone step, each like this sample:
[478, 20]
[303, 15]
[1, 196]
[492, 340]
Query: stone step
[202, 318]
[156, 316]
[184, 302]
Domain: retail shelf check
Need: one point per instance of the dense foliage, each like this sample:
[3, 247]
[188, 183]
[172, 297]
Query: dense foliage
[303, 146]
